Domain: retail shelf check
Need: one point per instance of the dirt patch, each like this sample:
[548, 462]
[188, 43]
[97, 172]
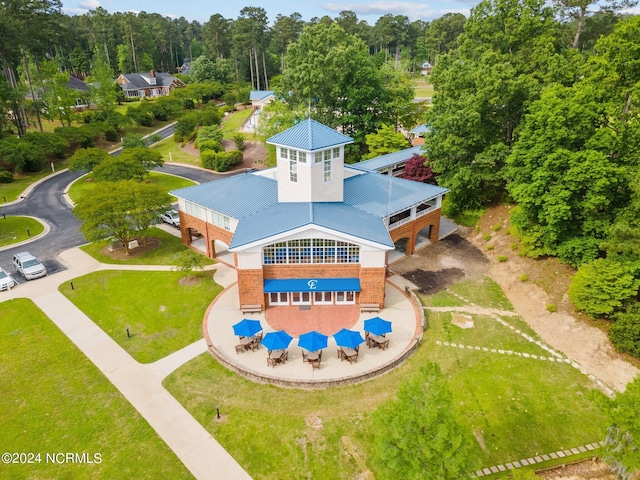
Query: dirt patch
[189, 281]
[430, 282]
[121, 253]
[587, 470]
[254, 155]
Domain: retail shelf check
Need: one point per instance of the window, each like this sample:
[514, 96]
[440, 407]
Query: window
[293, 171]
[336, 152]
[293, 154]
[307, 250]
[283, 153]
[345, 297]
[220, 220]
[318, 157]
[327, 155]
[195, 210]
[327, 170]
[302, 157]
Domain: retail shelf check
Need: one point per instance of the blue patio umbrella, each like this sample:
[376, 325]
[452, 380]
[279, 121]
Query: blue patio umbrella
[313, 341]
[277, 340]
[377, 326]
[348, 338]
[247, 328]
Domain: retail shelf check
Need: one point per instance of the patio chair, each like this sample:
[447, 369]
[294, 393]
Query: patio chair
[315, 364]
[271, 362]
[341, 355]
[304, 357]
[369, 340]
[241, 348]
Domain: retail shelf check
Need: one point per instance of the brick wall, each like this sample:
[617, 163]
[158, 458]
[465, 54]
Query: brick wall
[410, 230]
[210, 232]
[372, 285]
[251, 287]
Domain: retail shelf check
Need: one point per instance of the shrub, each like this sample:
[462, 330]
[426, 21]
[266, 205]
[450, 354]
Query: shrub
[551, 308]
[111, 134]
[603, 286]
[496, 228]
[502, 258]
[210, 145]
[486, 237]
[490, 247]
[477, 228]
[238, 139]
[625, 330]
[220, 161]
[6, 177]
[524, 277]
[514, 246]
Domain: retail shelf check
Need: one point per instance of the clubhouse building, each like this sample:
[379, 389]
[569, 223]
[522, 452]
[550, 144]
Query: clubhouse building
[312, 230]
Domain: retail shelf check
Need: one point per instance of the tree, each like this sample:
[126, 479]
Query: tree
[101, 88]
[442, 34]
[418, 436]
[133, 140]
[602, 287]
[622, 445]
[385, 140]
[119, 168]
[87, 159]
[418, 170]
[473, 121]
[122, 210]
[148, 158]
[188, 261]
[624, 333]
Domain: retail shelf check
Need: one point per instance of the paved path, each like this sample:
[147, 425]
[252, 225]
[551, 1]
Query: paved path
[141, 384]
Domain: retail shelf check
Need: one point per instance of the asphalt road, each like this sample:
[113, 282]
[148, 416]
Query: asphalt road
[46, 202]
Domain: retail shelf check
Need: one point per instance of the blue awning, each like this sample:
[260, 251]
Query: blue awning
[312, 285]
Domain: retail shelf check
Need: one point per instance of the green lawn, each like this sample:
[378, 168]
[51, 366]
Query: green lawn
[17, 229]
[162, 315]
[167, 182]
[54, 400]
[422, 88]
[549, 406]
[171, 152]
[167, 253]
[234, 121]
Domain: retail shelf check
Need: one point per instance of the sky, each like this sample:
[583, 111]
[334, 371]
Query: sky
[201, 10]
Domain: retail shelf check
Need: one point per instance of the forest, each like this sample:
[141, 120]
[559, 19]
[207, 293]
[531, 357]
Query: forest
[536, 105]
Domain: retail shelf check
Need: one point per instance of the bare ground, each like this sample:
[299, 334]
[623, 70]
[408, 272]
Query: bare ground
[464, 255]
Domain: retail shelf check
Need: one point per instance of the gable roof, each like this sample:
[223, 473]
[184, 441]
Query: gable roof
[309, 135]
[137, 80]
[260, 94]
[284, 217]
[389, 159]
[77, 84]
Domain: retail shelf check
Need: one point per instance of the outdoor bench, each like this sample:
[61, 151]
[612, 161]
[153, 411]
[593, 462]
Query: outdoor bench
[252, 308]
[369, 307]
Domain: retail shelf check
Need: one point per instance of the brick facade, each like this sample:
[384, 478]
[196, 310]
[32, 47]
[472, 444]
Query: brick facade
[410, 230]
[209, 231]
[251, 281]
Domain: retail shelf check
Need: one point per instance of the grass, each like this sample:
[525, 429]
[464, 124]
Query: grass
[422, 89]
[167, 253]
[483, 292]
[287, 433]
[11, 191]
[234, 122]
[171, 152]
[85, 185]
[162, 315]
[54, 400]
[14, 229]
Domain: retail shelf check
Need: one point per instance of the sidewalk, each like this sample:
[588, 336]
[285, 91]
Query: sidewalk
[140, 384]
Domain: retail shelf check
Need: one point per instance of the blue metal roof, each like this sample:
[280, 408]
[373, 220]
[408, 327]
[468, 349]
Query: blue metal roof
[312, 285]
[385, 161]
[237, 196]
[382, 195]
[420, 129]
[260, 94]
[283, 217]
[310, 135]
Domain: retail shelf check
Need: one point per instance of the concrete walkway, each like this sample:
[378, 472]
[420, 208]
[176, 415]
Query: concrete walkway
[140, 384]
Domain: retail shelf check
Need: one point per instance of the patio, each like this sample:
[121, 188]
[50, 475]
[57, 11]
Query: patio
[399, 310]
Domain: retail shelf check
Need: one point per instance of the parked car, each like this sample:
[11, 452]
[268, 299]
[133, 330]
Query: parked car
[28, 266]
[171, 217]
[6, 280]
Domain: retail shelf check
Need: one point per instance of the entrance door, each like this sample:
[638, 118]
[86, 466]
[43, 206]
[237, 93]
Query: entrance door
[345, 298]
[300, 298]
[278, 298]
[322, 298]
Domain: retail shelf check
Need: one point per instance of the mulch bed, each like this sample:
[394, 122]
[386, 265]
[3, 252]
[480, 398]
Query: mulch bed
[121, 253]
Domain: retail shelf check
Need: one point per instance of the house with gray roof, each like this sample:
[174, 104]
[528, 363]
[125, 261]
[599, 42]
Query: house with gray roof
[149, 84]
[310, 221]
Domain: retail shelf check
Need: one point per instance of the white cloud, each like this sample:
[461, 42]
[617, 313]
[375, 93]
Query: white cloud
[89, 4]
[415, 11]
